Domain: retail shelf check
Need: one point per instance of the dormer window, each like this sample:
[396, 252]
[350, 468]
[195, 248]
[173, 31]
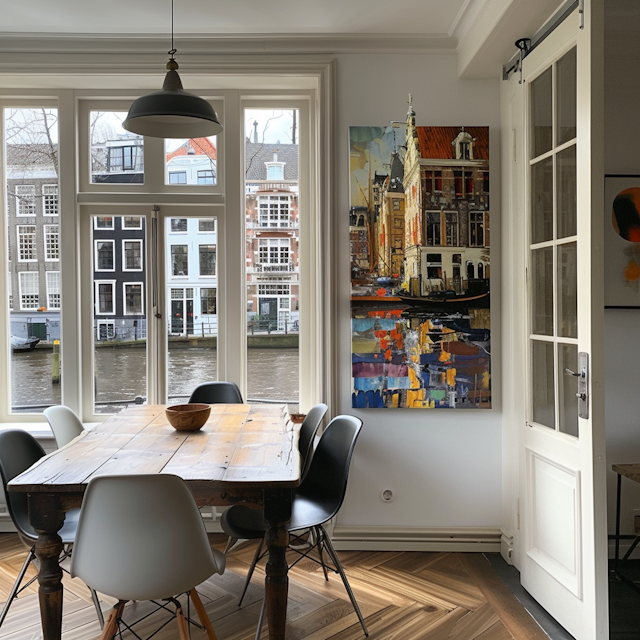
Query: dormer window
[275, 170]
[463, 145]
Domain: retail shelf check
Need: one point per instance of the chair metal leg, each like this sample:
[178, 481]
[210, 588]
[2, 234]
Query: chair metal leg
[318, 537]
[16, 585]
[202, 614]
[96, 604]
[230, 542]
[261, 618]
[256, 557]
[334, 556]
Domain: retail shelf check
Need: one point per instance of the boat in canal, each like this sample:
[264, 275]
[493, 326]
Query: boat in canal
[23, 344]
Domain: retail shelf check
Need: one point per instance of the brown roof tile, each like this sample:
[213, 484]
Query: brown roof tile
[435, 142]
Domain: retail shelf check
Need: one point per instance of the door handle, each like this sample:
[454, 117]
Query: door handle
[583, 383]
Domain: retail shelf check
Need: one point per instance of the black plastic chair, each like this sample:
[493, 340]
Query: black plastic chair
[317, 500]
[242, 523]
[18, 451]
[216, 393]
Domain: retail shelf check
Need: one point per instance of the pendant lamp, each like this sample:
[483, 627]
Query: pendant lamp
[172, 112]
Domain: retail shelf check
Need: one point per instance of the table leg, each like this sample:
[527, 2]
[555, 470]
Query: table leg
[47, 517]
[277, 511]
[617, 556]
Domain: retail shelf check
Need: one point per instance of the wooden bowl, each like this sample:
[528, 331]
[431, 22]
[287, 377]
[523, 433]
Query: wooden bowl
[188, 417]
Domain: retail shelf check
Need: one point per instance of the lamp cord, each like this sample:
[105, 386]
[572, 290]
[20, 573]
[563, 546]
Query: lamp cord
[173, 49]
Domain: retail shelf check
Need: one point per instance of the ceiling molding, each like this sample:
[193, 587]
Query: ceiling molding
[239, 44]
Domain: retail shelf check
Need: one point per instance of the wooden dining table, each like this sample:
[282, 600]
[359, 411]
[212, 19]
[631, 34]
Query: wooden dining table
[244, 454]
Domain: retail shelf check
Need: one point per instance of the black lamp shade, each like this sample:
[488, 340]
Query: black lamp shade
[172, 113]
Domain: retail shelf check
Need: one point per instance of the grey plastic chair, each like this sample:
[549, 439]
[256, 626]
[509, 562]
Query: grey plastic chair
[19, 450]
[317, 500]
[217, 392]
[64, 423]
[234, 519]
[141, 537]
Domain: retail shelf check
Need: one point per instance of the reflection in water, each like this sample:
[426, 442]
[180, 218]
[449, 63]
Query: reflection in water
[121, 375]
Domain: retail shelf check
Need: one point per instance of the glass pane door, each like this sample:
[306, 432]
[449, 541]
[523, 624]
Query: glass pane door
[553, 298]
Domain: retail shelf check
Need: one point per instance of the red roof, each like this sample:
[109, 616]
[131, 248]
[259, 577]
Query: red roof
[199, 146]
[435, 142]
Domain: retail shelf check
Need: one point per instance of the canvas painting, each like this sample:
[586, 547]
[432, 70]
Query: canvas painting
[420, 266]
[622, 241]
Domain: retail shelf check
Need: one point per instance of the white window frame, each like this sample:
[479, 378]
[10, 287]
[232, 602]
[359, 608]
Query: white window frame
[22, 277]
[212, 231]
[170, 257]
[267, 220]
[124, 254]
[317, 159]
[127, 228]
[97, 228]
[96, 298]
[126, 311]
[215, 262]
[53, 288]
[95, 253]
[171, 230]
[33, 249]
[50, 194]
[111, 329]
[25, 195]
[50, 232]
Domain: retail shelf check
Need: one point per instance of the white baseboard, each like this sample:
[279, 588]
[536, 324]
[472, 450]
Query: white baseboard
[373, 538]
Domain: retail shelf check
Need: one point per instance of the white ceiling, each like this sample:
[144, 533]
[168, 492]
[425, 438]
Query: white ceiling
[430, 18]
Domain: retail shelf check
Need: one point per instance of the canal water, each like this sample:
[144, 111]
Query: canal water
[121, 376]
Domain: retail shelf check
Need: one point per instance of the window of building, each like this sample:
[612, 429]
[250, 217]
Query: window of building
[178, 225]
[433, 229]
[50, 199]
[179, 260]
[29, 283]
[103, 222]
[273, 251]
[133, 298]
[51, 242]
[123, 158]
[177, 177]
[131, 222]
[25, 199]
[105, 330]
[132, 255]
[104, 255]
[275, 171]
[273, 211]
[206, 177]
[104, 297]
[432, 181]
[396, 204]
[208, 301]
[476, 228]
[27, 243]
[451, 228]
[207, 225]
[207, 259]
[53, 289]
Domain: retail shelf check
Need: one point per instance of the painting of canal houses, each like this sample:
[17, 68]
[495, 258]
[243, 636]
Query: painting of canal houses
[420, 266]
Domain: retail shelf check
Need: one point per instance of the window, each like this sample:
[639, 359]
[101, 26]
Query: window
[274, 290]
[179, 260]
[50, 199]
[476, 228]
[432, 182]
[451, 228]
[27, 243]
[273, 211]
[101, 222]
[104, 255]
[131, 222]
[274, 251]
[51, 242]
[53, 289]
[396, 204]
[433, 228]
[178, 225]
[25, 199]
[275, 172]
[104, 300]
[132, 255]
[177, 177]
[206, 177]
[105, 330]
[29, 290]
[133, 298]
[208, 301]
[123, 158]
[207, 225]
[207, 259]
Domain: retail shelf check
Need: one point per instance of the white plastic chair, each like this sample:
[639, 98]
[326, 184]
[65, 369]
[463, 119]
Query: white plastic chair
[64, 423]
[141, 537]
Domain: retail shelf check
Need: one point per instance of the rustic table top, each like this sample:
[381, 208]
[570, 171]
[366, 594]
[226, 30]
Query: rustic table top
[631, 471]
[241, 450]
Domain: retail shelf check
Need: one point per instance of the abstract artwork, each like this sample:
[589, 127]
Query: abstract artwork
[420, 267]
[622, 241]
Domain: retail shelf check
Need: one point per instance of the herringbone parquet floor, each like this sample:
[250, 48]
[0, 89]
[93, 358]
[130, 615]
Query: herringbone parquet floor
[403, 596]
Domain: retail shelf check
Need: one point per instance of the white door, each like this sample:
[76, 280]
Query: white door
[562, 552]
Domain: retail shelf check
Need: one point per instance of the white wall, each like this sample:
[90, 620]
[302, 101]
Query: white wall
[443, 465]
[622, 339]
